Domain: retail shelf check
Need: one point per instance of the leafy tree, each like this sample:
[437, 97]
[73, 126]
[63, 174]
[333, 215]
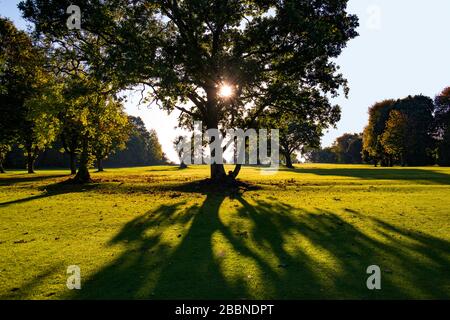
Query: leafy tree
[395, 136]
[26, 93]
[378, 115]
[85, 107]
[111, 131]
[16, 77]
[419, 113]
[40, 127]
[348, 148]
[297, 133]
[325, 155]
[442, 126]
[345, 149]
[71, 127]
[142, 149]
[275, 55]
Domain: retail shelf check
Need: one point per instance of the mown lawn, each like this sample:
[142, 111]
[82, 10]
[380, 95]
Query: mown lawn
[153, 233]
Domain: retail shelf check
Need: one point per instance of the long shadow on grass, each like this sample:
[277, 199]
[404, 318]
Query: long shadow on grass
[273, 250]
[25, 177]
[51, 190]
[417, 175]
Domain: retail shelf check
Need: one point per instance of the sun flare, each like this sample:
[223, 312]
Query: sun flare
[225, 90]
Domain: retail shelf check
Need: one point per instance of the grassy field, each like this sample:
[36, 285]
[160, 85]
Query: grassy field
[153, 233]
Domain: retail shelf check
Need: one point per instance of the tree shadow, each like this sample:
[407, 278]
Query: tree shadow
[27, 289]
[283, 253]
[417, 175]
[26, 177]
[53, 189]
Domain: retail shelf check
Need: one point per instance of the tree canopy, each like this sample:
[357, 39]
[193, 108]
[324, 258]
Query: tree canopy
[272, 54]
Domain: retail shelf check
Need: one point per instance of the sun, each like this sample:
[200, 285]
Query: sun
[225, 90]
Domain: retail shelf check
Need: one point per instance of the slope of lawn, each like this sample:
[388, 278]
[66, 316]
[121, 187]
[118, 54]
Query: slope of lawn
[154, 233]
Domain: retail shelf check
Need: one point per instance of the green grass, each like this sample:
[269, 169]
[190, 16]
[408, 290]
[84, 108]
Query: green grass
[152, 233]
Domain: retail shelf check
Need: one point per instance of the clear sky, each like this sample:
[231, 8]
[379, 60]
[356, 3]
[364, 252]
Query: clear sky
[403, 49]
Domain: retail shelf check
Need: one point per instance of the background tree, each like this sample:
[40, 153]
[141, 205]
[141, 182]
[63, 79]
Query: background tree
[348, 148]
[298, 133]
[442, 127]
[39, 128]
[26, 93]
[111, 131]
[325, 155]
[142, 148]
[16, 77]
[378, 115]
[419, 145]
[419, 114]
[71, 128]
[271, 54]
[395, 138]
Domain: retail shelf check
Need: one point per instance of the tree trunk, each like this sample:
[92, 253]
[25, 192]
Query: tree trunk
[2, 170]
[73, 165]
[100, 165]
[83, 175]
[288, 160]
[30, 161]
[217, 172]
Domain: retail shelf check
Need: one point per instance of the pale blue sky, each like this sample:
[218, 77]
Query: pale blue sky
[403, 49]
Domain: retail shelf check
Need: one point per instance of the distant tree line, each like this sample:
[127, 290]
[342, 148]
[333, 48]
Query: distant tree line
[414, 131]
[347, 149]
[141, 149]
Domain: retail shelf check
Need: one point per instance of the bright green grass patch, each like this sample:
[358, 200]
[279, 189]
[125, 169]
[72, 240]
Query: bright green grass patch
[152, 233]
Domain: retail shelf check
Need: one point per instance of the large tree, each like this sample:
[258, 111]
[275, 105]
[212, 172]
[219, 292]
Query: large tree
[26, 92]
[271, 54]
